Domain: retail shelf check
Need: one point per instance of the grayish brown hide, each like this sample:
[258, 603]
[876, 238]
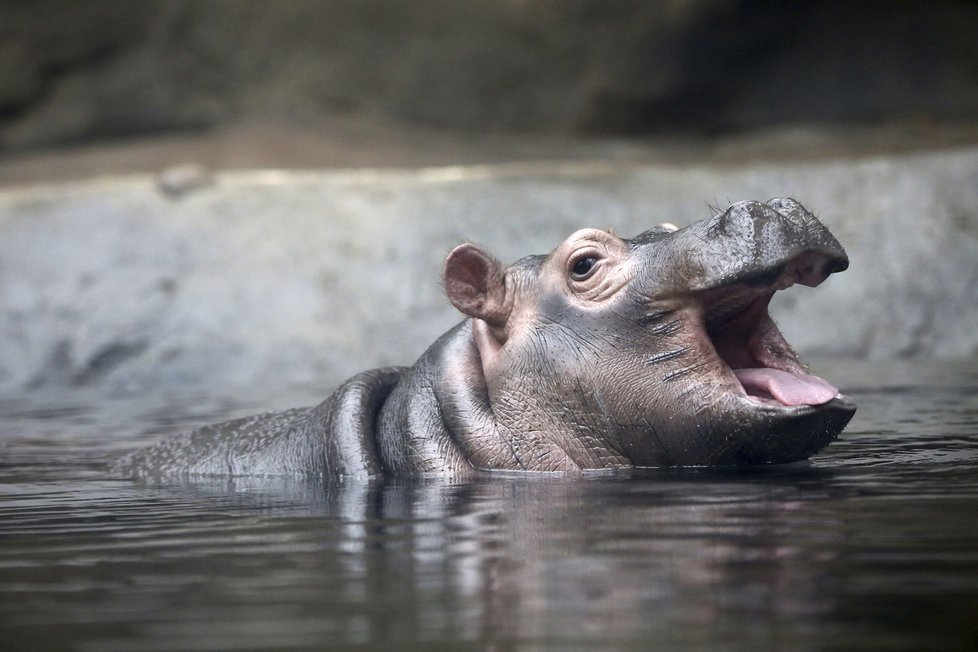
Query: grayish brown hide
[607, 353]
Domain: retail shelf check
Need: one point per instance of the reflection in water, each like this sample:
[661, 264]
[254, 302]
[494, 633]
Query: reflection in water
[874, 545]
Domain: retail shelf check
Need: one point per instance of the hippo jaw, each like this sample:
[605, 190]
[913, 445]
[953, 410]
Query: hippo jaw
[784, 413]
[771, 410]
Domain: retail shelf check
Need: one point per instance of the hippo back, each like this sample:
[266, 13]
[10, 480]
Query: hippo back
[333, 439]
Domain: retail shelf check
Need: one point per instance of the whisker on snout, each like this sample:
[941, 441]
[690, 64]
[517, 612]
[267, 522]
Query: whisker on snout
[668, 328]
[669, 355]
[653, 316]
[682, 372]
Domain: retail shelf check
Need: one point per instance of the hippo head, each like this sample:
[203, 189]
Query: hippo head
[653, 351]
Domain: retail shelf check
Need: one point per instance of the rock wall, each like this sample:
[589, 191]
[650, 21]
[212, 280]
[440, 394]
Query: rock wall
[102, 69]
[251, 278]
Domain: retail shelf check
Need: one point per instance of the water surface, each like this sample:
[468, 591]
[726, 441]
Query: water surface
[873, 545]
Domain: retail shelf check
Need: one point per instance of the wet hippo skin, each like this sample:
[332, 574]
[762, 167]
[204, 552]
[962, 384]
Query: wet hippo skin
[607, 353]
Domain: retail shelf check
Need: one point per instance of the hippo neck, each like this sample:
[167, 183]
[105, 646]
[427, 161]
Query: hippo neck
[474, 426]
[440, 420]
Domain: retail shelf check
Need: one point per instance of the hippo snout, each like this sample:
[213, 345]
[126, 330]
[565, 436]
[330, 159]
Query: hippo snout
[755, 243]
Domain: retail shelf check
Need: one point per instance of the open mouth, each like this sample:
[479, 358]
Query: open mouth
[748, 342]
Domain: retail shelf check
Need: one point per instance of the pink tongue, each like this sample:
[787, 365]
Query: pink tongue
[787, 388]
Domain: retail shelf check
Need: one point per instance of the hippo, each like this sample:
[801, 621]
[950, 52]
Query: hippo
[607, 353]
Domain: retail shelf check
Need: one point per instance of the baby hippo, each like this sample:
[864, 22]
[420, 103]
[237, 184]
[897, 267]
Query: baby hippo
[607, 353]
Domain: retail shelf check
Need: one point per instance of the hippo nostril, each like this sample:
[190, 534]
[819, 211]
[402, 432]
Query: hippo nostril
[786, 206]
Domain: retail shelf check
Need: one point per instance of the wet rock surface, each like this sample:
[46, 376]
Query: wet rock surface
[255, 277]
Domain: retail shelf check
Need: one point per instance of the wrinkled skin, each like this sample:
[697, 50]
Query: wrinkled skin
[607, 353]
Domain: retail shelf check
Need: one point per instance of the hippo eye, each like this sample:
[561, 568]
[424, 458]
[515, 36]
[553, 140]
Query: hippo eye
[583, 267]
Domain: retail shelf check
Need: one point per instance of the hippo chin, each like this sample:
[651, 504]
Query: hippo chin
[607, 353]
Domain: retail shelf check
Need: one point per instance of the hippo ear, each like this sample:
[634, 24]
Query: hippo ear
[475, 283]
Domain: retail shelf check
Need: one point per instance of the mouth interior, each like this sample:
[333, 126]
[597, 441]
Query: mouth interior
[749, 343]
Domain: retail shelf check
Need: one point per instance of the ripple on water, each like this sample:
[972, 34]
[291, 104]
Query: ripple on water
[873, 545]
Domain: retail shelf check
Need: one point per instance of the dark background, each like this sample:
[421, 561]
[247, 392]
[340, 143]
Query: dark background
[81, 72]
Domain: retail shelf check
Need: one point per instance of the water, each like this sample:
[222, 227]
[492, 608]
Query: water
[874, 545]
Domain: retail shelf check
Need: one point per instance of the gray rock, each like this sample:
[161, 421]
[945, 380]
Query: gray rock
[284, 277]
